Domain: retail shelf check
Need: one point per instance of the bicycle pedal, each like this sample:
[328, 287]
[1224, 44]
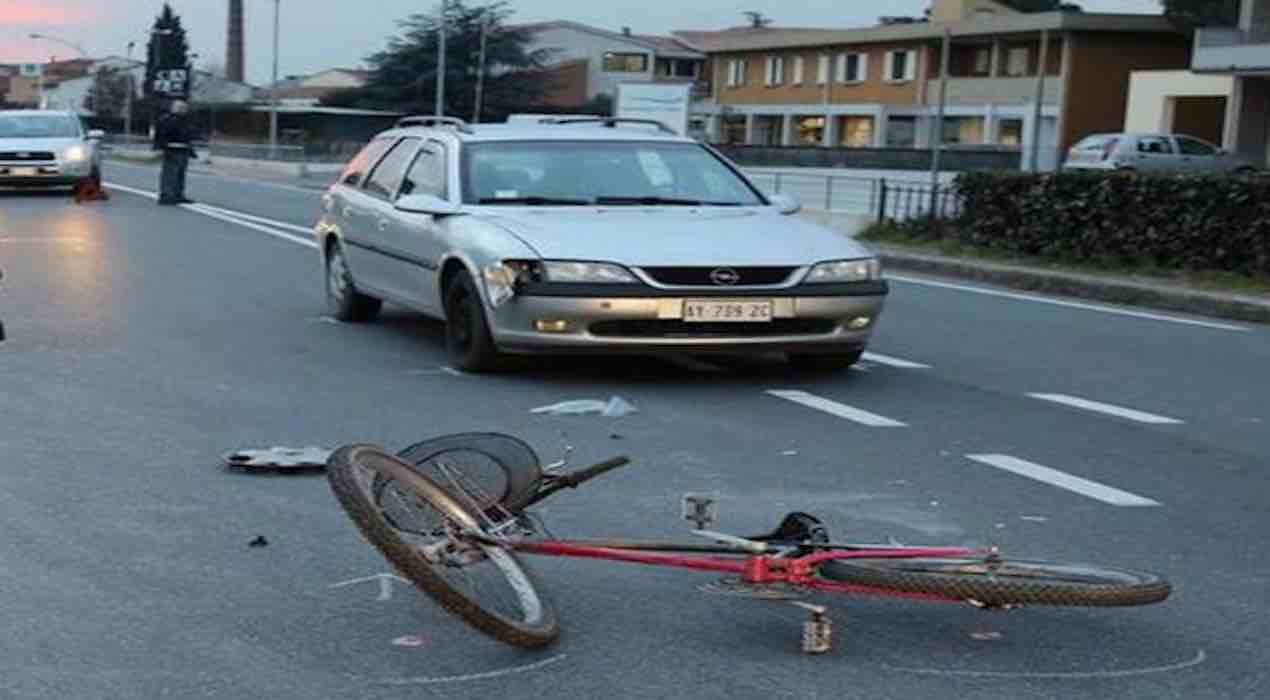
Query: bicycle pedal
[701, 509]
[818, 631]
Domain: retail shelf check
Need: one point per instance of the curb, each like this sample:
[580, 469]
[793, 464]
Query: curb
[1229, 306]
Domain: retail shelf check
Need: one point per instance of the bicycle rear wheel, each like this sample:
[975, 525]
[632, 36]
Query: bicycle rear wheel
[416, 525]
[999, 582]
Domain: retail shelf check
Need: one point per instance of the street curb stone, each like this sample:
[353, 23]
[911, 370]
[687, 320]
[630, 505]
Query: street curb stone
[1118, 291]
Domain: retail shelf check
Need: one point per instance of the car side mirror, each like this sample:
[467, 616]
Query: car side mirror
[427, 204]
[785, 204]
[96, 135]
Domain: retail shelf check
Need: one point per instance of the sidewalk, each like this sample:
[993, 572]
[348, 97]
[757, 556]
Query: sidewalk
[1133, 291]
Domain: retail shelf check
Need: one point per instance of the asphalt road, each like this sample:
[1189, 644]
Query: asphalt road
[145, 342]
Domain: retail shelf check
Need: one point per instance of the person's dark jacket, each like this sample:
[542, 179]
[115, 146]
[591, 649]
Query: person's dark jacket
[173, 131]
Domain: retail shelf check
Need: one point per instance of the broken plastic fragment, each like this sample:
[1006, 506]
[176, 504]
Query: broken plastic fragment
[615, 407]
[260, 541]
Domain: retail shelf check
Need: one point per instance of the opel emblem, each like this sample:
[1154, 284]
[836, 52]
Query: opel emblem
[725, 276]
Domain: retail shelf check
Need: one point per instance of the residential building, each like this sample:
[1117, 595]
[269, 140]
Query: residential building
[1179, 102]
[1243, 54]
[1067, 73]
[72, 93]
[309, 90]
[584, 62]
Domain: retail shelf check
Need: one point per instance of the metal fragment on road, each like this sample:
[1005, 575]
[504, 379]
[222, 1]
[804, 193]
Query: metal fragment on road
[279, 458]
[615, 407]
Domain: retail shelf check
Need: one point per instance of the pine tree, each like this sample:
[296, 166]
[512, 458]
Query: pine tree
[1189, 14]
[167, 48]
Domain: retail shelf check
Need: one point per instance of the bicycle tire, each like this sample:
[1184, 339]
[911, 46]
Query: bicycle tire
[539, 626]
[519, 464]
[1003, 582]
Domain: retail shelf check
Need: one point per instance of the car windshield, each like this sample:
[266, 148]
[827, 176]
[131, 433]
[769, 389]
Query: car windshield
[600, 172]
[38, 126]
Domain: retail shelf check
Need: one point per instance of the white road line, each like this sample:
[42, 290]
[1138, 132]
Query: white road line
[230, 216]
[1062, 480]
[236, 178]
[260, 219]
[1068, 304]
[840, 410]
[893, 361]
[1109, 409]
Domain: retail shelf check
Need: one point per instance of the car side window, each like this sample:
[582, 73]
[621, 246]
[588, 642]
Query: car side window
[1194, 147]
[383, 180]
[361, 162]
[1155, 145]
[427, 175]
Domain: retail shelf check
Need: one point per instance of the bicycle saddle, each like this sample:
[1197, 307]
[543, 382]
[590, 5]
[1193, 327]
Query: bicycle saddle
[796, 528]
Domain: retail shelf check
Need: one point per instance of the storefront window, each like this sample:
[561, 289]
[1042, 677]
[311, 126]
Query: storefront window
[857, 132]
[901, 132]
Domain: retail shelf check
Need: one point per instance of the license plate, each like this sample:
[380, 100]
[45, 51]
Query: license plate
[24, 172]
[724, 311]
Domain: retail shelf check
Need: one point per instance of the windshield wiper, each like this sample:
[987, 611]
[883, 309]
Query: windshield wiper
[535, 201]
[649, 201]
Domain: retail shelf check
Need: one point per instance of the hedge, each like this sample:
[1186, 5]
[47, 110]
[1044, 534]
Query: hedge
[1164, 221]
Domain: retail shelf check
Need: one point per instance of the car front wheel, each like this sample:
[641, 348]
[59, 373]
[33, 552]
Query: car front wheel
[467, 334]
[342, 298]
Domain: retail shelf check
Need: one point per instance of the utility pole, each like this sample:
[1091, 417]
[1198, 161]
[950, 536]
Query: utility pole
[440, 107]
[1035, 146]
[127, 104]
[480, 74]
[273, 86]
[937, 128]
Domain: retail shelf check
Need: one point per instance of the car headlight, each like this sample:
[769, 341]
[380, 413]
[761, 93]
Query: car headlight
[76, 154]
[569, 271]
[862, 270]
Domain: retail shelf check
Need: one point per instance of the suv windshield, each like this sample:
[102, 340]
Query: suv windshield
[600, 172]
[38, 126]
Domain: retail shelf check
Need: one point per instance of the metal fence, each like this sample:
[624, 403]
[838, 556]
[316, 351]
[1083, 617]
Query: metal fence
[876, 197]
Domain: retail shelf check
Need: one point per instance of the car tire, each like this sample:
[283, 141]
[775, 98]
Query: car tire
[467, 336]
[343, 300]
[827, 362]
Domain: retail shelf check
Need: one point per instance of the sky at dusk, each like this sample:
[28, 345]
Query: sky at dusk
[319, 34]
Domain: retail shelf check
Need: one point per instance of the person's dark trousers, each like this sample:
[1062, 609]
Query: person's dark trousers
[172, 177]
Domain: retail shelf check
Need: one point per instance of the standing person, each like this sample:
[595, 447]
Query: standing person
[174, 138]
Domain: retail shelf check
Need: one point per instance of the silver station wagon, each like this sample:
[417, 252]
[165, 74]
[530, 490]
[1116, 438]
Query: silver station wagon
[593, 235]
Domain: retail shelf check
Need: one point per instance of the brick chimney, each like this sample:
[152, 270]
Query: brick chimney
[234, 46]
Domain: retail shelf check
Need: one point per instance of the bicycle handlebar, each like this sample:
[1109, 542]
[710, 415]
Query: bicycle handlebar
[575, 479]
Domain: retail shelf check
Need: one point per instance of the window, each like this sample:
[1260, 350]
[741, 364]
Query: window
[686, 69]
[665, 67]
[1194, 147]
[799, 70]
[625, 63]
[982, 62]
[1017, 61]
[361, 162]
[852, 67]
[737, 68]
[1156, 145]
[901, 66]
[822, 70]
[775, 70]
[901, 132]
[809, 131]
[386, 176]
[857, 132]
[1011, 132]
[963, 130]
[427, 175]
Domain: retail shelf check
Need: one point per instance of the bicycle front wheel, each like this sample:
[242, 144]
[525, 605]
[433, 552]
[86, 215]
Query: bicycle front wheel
[1000, 582]
[415, 524]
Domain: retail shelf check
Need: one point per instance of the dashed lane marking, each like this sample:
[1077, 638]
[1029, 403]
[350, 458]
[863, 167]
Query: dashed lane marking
[893, 361]
[1063, 480]
[840, 410]
[1108, 409]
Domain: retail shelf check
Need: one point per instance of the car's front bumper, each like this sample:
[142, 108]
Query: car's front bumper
[801, 323]
[43, 174]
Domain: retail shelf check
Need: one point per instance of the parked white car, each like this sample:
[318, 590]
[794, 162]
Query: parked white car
[46, 149]
[588, 236]
[1153, 152]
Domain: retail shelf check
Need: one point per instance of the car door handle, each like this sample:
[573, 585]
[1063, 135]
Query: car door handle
[349, 212]
[383, 224]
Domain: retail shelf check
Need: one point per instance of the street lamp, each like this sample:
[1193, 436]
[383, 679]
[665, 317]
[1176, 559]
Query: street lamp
[273, 86]
[56, 40]
[127, 105]
[440, 106]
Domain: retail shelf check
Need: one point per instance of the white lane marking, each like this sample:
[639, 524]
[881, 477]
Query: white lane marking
[1068, 304]
[840, 410]
[1063, 480]
[228, 215]
[260, 219]
[474, 676]
[893, 361]
[247, 180]
[1109, 409]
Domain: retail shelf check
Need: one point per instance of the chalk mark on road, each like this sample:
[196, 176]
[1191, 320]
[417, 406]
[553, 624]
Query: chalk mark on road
[486, 675]
[385, 584]
[1199, 658]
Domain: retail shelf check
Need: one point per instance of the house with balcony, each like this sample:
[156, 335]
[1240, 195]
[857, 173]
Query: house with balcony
[1242, 54]
[1010, 74]
[584, 62]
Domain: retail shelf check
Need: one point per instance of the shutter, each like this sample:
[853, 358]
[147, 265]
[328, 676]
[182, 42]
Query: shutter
[864, 66]
[840, 72]
[910, 66]
[798, 70]
[822, 69]
[889, 73]
[771, 65]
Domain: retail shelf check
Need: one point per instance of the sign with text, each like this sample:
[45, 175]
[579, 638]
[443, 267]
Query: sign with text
[666, 103]
[173, 83]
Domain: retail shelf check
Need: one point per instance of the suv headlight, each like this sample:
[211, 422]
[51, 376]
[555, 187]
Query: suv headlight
[76, 154]
[862, 270]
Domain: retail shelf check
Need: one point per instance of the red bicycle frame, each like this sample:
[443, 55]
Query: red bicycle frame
[756, 568]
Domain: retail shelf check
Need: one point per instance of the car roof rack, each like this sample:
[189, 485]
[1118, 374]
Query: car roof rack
[430, 121]
[610, 122]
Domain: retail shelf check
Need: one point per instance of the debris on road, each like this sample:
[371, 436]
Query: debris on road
[615, 407]
[985, 636]
[410, 640]
[617, 436]
[279, 459]
[1034, 518]
[260, 541]
[790, 453]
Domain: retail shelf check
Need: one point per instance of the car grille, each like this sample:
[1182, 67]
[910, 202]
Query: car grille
[26, 156]
[680, 329]
[705, 276]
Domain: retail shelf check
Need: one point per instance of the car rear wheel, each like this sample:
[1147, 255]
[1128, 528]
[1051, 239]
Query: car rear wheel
[831, 362]
[467, 335]
[342, 298]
